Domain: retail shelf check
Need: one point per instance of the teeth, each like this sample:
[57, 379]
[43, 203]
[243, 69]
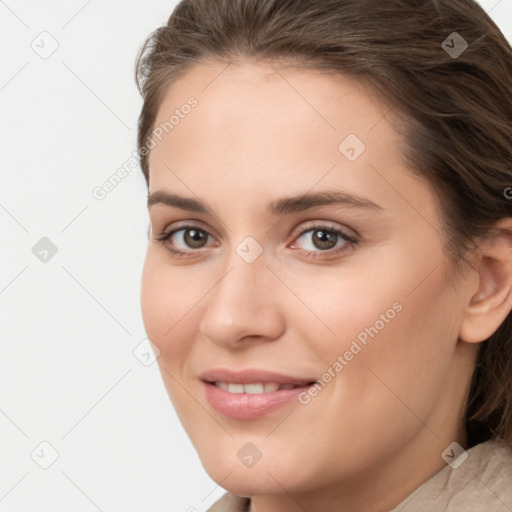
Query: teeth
[270, 387]
[236, 388]
[253, 389]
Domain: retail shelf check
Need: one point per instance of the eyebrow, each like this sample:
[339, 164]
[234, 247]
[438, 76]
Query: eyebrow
[278, 207]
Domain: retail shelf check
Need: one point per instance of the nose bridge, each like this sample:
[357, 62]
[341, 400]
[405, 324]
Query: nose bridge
[241, 303]
[242, 287]
[244, 270]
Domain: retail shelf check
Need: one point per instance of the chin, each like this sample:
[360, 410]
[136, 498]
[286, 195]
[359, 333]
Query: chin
[246, 483]
[264, 477]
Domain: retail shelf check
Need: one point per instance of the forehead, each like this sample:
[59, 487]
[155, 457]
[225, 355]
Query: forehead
[256, 122]
[276, 104]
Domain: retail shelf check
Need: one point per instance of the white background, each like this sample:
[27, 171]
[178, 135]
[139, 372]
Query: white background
[68, 375]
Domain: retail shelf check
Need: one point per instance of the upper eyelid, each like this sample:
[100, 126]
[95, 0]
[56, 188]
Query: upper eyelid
[192, 223]
[335, 224]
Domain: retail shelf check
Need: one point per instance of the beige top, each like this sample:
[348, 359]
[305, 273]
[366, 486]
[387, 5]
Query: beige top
[482, 483]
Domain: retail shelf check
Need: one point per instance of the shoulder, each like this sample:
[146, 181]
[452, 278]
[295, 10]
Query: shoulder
[230, 503]
[482, 482]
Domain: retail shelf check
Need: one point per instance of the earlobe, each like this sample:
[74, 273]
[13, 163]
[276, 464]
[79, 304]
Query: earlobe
[491, 303]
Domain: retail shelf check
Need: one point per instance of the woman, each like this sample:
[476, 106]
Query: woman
[328, 277]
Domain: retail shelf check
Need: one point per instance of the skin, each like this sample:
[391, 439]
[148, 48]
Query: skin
[257, 135]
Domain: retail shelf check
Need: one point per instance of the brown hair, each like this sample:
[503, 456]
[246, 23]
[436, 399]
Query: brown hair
[455, 112]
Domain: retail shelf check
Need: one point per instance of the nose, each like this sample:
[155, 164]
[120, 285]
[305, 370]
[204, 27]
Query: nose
[243, 305]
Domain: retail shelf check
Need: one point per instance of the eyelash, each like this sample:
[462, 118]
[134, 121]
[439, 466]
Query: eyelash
[351, 241]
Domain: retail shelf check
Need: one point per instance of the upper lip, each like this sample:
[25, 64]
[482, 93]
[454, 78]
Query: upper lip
[252, 376]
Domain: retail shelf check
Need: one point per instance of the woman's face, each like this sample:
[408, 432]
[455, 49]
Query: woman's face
[266, 284]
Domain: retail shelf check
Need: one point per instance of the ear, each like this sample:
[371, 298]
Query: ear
[492, 301]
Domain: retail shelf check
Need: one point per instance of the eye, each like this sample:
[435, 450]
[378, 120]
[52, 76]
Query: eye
[326, 240]
[191, 237]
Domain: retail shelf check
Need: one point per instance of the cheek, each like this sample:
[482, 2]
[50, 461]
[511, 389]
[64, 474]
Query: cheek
[167, 304]
[153, 300]
[409, 360]
[398, 374]
[394, 325]
[168, 298]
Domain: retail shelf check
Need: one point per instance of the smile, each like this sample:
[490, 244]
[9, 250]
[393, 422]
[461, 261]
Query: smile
[253, 400]
[254, 389]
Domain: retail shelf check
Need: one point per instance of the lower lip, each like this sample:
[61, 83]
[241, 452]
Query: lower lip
[246, 406]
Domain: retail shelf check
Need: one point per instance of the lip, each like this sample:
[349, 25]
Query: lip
[250, 376]
[245, 406]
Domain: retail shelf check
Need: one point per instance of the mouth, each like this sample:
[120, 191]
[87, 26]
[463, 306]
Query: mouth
[251, 393]
[258, 388]
[252, 400]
